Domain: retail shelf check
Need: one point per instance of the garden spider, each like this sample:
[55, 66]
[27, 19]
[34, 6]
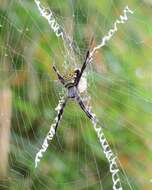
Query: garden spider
[71, 83]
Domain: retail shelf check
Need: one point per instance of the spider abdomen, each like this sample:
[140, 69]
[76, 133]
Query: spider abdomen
[72, 92]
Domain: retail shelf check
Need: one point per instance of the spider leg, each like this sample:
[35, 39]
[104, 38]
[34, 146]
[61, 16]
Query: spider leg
[60, 110]
[84, 108]
[83, 67]
[88, 112]
[60, 77]
[86, 61]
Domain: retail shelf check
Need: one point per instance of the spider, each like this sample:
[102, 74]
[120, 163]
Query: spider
[72, 85]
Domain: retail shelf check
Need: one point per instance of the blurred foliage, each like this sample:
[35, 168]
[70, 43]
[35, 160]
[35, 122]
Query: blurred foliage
[120, 84]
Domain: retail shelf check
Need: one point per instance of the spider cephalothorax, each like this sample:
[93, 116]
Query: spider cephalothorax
[70, 79]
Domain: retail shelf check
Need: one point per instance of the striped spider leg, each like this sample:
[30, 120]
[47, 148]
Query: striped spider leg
[60, 77]
[60, 110]
[87, 111]
[87, 60]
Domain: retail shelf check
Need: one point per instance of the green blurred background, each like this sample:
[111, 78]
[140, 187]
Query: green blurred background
[119, 82]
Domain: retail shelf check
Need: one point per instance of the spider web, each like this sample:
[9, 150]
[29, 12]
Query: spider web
[122, 72]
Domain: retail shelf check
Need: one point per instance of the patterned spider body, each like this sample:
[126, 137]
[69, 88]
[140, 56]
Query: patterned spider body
[71, 83]
[71, 79]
